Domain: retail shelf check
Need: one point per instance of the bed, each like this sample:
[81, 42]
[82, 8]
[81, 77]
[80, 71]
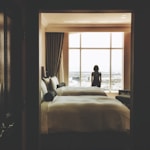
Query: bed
[64, 90]
[87, 122]
[84, 114]
[84, 122]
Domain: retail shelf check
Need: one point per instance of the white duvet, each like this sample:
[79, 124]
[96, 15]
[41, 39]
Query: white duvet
[93, 90]
[84, 114]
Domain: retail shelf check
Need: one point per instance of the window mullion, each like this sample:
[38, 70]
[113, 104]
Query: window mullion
[110, 63]
[80, 58]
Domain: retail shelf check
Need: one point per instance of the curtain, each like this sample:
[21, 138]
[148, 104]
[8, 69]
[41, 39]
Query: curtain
[54, 44]
[61, 70]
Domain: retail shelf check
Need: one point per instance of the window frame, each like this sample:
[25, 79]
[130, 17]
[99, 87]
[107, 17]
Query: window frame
[110, 50]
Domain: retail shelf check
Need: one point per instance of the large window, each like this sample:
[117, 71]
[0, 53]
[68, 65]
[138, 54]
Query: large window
[104, 49]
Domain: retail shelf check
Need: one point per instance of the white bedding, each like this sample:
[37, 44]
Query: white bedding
[84, 114]
[67, 90]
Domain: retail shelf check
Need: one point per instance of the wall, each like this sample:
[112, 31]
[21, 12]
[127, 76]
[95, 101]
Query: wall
[41, 42]
[65, 58]
[2, 63]
[127, 61]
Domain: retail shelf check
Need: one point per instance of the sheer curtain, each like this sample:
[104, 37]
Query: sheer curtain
[61, 70]
[54, 45]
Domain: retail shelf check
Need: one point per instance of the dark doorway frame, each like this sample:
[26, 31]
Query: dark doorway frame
[103, 11]
[140, 88]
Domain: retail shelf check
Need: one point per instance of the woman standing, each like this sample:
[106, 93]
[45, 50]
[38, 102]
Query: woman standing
[96, 77]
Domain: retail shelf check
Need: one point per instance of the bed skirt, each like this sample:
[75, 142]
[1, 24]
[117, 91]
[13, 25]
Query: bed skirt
[86, 141]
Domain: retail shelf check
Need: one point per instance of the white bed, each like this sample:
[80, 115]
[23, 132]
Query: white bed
[84, 122]
[84, 114]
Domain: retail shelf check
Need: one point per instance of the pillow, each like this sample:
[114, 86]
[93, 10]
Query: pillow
[61, 84]
[47, 82]
[49, 96]
[54, 82]
[43, 90]
[43, 87]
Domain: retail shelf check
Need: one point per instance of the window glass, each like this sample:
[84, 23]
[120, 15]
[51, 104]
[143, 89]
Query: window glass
[117, 40]
[116, 69]
[95, 40]
[74, 40]
[89, 58]
[104, 49]
[74, 67]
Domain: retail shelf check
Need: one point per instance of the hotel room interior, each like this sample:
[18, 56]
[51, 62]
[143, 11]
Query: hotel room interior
[23, 53]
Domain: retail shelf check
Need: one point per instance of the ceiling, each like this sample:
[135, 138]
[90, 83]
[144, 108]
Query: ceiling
[85, 18]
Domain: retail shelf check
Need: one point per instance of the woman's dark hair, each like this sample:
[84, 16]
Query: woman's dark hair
[96, 68]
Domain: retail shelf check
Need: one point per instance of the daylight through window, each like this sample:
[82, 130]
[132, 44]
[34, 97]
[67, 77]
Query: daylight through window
[105, 49]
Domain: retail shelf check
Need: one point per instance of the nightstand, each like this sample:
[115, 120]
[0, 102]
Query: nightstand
[124, 97]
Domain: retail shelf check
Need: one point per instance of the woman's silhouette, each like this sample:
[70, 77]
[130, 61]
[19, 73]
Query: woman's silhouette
[96, 77]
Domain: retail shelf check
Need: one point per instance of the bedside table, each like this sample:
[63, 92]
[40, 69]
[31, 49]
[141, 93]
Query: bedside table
[124, 97]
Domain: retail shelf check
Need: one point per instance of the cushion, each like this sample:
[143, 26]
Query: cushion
[54, 82]
[61, 84]
[47, 82]
[49, 96]
[43, 89]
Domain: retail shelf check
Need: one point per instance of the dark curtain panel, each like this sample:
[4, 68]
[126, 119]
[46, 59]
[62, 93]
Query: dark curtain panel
[54, 44]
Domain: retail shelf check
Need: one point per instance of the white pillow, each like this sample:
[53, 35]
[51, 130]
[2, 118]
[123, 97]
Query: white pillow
[54, 82]
[47, 82]
[43, 87]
